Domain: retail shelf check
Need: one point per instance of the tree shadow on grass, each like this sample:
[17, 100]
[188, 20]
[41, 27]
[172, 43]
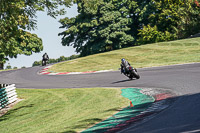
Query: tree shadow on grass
[113, 109]
[83, 124]
[70, 131]
[11, 111]
[93, 120]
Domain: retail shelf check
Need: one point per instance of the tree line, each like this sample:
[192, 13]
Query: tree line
[105, 25]
[100, 26]
[60, 59]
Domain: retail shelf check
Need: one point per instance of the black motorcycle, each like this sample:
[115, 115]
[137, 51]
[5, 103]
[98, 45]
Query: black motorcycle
[131, 73]
[44, 62]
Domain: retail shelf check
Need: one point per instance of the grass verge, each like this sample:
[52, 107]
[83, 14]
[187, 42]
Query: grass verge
[157, 54]
[61, 110]
[7, 70]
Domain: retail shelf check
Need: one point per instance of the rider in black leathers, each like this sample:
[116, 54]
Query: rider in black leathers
[45, 58]
[124, 65]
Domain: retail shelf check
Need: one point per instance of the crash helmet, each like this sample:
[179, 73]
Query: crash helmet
[123, 61]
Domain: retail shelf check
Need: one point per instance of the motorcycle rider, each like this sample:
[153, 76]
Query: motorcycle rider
[45, 58]
[124, 65]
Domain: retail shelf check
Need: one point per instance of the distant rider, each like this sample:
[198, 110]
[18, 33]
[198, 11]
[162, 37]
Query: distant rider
[124, 65]
[45, 58]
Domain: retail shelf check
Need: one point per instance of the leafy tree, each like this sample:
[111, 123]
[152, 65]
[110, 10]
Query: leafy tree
[190, 19]
[37, 63]
[8, 66]
[62, 58]
[15, 68]
[169, 20]
[16, 18]
[73, 57]
[98, 28]
[151, 34]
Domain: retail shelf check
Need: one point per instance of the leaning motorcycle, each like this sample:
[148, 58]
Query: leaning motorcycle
[132, 73]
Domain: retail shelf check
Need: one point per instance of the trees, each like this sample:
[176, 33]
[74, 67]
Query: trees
[104, 25]
[61, 58]
[15, 68]
[170, 20]
[98, 28]
[190, 19]
[16, 18]
[8, 66]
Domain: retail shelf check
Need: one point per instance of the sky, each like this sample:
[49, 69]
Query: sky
[47, 29]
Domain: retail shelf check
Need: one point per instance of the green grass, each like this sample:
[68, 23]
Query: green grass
[7, 70]
[61, 110]
[157, 54]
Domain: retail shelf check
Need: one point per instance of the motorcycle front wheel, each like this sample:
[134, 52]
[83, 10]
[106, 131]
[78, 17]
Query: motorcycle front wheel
[130, 77]
[136, 75]
[43, 63]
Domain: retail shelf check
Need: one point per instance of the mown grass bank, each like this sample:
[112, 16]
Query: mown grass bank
[157, 54]
[61, 110]
[7, 70]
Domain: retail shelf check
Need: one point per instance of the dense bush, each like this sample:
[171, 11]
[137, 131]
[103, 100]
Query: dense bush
[151, 35]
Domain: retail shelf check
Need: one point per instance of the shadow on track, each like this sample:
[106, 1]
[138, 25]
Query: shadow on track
[121, 81]
[186, 119]
[177, 124]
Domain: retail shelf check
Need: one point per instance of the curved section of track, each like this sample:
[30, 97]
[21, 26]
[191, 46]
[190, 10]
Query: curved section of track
[184, 80]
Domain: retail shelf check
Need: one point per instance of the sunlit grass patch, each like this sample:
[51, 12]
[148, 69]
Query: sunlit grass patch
[157, 54]
[61, 110]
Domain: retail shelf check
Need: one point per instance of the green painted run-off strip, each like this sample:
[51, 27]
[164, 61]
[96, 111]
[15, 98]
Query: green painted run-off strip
[140, 101]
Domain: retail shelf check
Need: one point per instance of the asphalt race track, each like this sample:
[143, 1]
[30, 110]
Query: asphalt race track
[184, 80]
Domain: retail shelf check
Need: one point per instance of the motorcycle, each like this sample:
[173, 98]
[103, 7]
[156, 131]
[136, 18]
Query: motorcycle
[131, 73]
[44, 62]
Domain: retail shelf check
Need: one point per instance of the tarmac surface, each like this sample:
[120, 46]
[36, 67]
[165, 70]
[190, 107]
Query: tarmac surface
[184, 80]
